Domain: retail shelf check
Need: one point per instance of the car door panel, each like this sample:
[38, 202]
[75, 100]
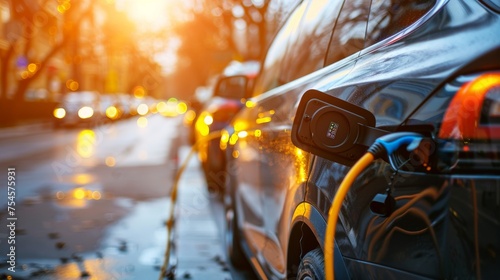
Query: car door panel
[286, 165]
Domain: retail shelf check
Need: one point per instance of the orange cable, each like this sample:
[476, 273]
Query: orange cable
[334, 211]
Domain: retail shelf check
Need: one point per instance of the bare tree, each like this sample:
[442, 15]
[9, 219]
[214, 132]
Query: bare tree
[209, 37]
[30, 22]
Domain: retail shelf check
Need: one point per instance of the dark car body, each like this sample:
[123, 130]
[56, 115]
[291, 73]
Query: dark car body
[403, 61]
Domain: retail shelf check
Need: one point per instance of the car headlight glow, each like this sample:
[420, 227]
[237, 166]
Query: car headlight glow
[85, 112]
[112, 112]
[142, 109]
[59, 113]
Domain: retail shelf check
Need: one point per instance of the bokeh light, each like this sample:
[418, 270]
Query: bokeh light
[142, 122]
[85, 112]
[142, 109]
[110, 161]
[112, 112]
[85, 145]
[32, 68]
[139, 92]
[182, 108]
[59, 113]
[79, 193]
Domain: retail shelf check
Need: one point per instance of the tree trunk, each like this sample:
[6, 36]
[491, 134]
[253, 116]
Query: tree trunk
[23, 85]
[4, 72]
[67, 36]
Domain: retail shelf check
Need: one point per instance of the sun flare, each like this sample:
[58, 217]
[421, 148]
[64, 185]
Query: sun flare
[147, 14]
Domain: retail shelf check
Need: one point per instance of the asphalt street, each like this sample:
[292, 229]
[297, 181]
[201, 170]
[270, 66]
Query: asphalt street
[93, 203]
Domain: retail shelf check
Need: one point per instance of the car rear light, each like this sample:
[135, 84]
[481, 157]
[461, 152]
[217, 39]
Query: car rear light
[474, 112]
[469, 136]
[462, 120]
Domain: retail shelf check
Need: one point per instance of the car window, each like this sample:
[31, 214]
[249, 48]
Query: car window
[270, 74]
[349, 34]
[307, 54]
[389, 17]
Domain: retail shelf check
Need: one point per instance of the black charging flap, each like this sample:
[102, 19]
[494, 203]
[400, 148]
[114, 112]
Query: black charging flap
[333, 128]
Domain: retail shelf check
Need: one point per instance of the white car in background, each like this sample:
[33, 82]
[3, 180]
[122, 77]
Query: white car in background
[78, 108]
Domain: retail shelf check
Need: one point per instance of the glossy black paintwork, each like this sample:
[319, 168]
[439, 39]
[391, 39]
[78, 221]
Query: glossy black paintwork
[433, 234]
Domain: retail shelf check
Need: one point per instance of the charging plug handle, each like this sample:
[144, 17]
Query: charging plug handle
[391, 142]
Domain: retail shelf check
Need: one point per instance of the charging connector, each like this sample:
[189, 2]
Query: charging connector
[391, 142]
[385, 145]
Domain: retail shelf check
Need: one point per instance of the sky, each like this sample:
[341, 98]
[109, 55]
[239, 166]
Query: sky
[151, 14]
[154, 15]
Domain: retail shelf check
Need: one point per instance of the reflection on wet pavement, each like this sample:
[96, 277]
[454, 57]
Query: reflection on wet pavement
[94, 206]
[132, 246]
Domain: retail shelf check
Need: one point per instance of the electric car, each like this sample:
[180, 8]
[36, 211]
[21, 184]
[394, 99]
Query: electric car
[339, 76]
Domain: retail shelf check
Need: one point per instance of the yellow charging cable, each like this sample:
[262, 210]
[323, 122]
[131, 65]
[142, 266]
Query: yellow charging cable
[385, 144]
[173, 200]
[334, 211]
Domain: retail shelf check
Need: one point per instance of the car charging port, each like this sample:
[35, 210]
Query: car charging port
[333, 128]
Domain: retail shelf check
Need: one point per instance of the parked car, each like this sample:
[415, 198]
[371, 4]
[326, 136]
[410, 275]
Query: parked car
[82, 107]
[364, 69]
[215, 114]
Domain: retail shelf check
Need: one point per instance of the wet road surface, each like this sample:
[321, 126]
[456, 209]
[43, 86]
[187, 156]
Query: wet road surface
[88, 202]
[92, 204]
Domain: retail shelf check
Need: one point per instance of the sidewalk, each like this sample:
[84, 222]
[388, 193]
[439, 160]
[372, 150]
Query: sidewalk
[198, 237]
